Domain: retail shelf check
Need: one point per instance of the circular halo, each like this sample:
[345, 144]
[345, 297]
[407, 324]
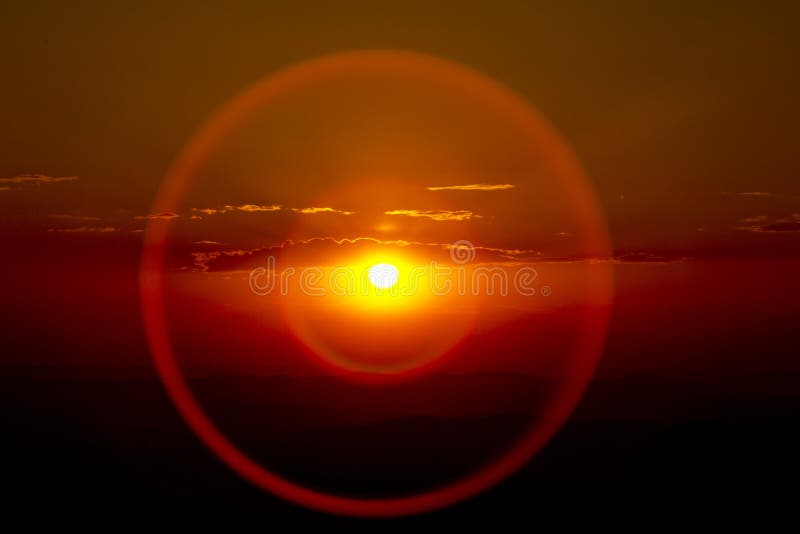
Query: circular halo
[594, 325]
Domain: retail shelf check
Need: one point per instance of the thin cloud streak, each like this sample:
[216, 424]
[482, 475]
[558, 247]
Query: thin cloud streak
[256, 208]
[251, 208]
[158, 216]
[471, 187]
[437, 215]
[315, 210]
[85, 229]
[247, 208]
[753, 194]
[74, 217]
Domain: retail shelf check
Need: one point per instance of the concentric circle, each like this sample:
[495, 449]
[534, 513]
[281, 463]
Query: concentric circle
[444, 76]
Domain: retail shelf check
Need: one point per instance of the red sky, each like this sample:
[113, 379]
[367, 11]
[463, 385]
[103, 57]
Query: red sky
[683, 121]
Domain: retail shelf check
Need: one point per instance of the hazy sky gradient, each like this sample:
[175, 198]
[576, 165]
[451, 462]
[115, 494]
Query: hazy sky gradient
[671, 107]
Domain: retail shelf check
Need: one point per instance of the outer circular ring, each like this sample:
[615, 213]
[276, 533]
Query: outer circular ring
[152, 285]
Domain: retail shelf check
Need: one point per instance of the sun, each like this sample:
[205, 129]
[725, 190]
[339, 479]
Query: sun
[383, 275]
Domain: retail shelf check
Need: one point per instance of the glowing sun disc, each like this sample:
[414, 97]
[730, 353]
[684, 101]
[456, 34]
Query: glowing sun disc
[383, 275]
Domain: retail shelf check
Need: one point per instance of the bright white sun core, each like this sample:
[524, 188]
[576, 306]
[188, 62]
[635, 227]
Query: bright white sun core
[383, 275]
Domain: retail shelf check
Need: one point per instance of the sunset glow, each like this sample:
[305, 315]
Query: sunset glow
[458, 277]
[266, 263]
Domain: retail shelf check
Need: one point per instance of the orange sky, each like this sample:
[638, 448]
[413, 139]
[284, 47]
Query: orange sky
[678, 117]
[682, 121]
[639, 158]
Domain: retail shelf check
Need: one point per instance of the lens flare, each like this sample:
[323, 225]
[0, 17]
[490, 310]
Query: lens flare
[398, 122]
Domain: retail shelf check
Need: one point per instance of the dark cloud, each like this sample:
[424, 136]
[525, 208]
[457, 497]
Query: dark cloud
[762, 224]
[781, 227]
[24, 181]
[319, 251]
